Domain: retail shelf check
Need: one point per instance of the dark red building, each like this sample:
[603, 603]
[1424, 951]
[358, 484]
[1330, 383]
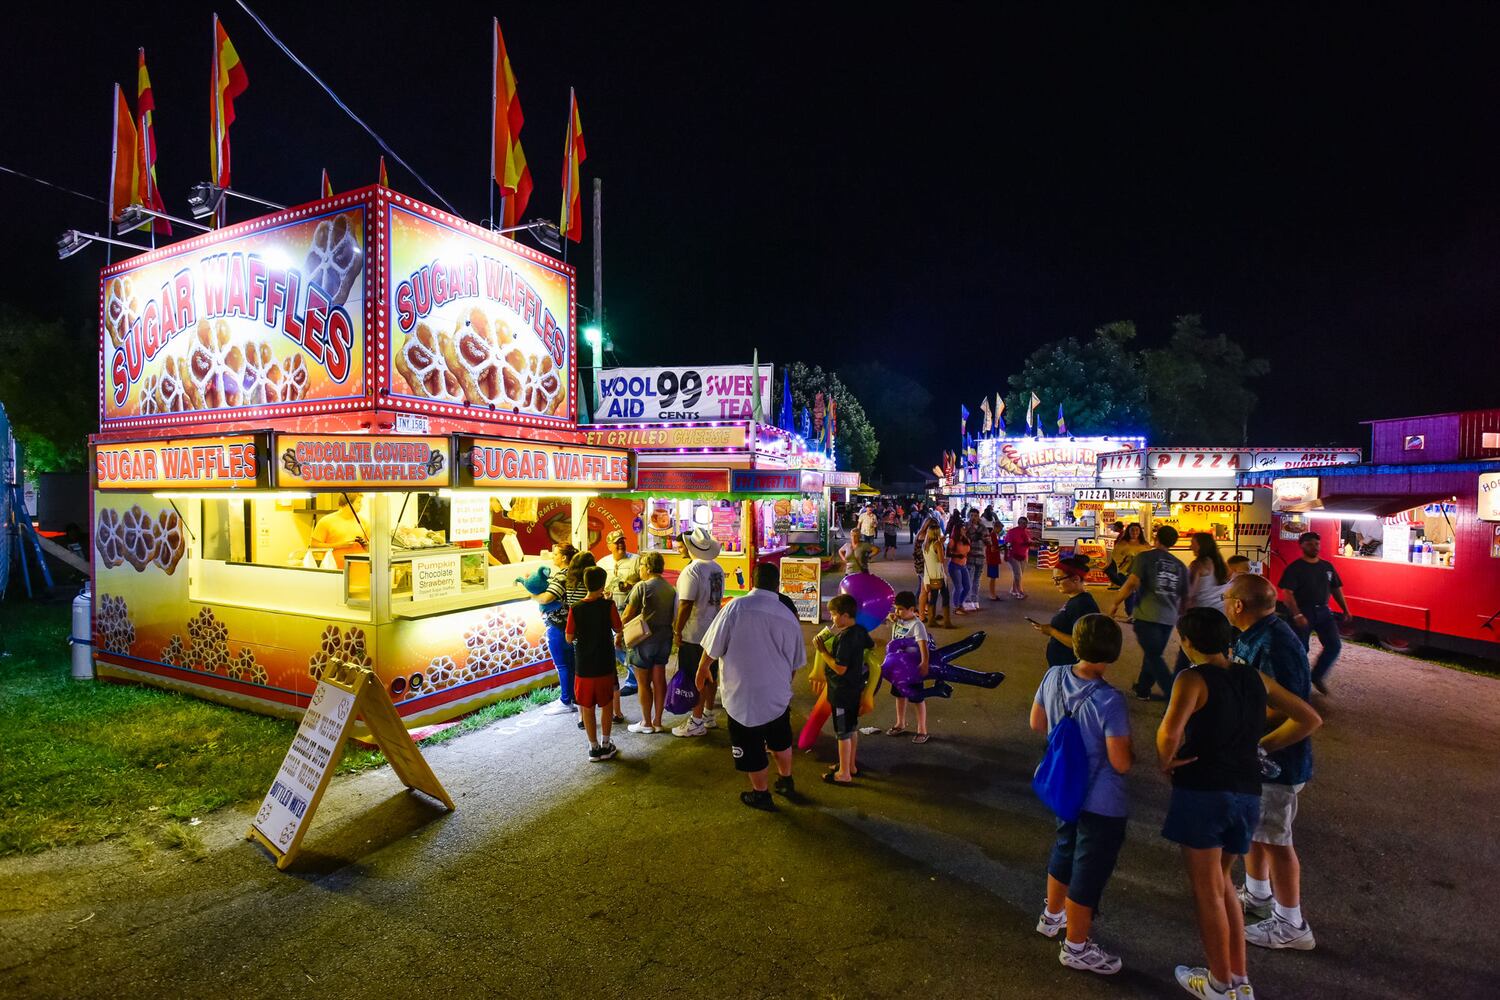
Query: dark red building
[1414, 533]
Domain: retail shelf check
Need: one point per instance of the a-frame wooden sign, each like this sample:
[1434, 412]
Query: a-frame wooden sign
[344, 694]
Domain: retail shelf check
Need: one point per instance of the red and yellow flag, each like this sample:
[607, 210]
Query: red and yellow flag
[125, 176]
[570, 221]
[385, 181]
[145, 108]
[507, 161]
[327, 185]
[229, 81]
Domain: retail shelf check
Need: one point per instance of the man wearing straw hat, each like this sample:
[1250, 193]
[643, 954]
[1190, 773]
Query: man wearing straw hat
[700, 591]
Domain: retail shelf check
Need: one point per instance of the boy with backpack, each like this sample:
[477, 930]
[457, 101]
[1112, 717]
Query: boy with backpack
[1082, 778]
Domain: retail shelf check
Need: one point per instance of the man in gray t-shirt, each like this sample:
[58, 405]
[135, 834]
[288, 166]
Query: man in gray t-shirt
[1161, 579]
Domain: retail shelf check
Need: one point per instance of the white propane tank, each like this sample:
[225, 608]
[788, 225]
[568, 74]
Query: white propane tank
[82, 638]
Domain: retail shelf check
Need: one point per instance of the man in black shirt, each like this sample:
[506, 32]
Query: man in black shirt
[1305, 587]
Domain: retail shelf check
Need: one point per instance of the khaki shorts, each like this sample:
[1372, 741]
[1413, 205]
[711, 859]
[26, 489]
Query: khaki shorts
[1278, 808]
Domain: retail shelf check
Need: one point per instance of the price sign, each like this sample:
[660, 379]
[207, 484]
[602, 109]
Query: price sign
[650, 395]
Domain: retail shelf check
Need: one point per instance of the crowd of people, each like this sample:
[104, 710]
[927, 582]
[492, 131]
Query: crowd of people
[1234, 739]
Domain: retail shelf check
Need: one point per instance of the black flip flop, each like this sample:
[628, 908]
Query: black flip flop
[829, 779]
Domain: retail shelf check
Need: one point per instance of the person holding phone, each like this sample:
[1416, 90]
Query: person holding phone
[1068, 578]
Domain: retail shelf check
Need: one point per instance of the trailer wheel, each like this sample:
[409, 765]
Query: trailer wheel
[1397, 643]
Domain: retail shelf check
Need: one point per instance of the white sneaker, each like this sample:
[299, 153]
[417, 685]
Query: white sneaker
[641, 727]
[559, 708]
[1258, 907]
[1091, 959]
[1051, 926]
[1278, 932]
[1244, 991]
[1195, 981]
[710, 720]
[690, 727]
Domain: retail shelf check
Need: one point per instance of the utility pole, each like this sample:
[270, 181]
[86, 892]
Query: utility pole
[598, 256]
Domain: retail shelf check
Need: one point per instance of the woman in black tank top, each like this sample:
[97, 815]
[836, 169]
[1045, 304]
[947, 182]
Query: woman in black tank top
[1221, 737]
[1208, 743]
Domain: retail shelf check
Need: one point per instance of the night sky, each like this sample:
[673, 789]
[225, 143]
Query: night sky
[944, 191]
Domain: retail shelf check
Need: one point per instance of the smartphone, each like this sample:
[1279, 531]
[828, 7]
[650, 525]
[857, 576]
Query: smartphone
[1033, 621]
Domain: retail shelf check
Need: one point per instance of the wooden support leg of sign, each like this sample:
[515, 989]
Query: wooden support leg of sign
[344, 693]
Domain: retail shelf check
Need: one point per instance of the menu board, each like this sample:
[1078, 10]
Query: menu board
[801, 580]
[304, 772]
[435, 576]
[344, 694]
[468, 517]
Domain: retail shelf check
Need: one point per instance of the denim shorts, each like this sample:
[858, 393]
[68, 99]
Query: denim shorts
[1084, 856]
[1202, 820]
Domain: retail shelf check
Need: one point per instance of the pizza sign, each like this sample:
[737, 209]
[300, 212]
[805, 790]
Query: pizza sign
[1211, 496]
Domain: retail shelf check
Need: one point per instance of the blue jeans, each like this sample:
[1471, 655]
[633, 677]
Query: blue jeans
[562, 659]
[958, 573]
[1321, 621]
[1153, 637]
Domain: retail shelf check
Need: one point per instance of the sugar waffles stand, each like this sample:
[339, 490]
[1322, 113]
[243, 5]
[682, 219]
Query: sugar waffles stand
[323, 436]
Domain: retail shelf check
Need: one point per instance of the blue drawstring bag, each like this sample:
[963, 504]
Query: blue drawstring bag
[1062, 779]
[682, 692]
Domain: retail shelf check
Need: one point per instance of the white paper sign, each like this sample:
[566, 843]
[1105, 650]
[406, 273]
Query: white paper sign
[435, 576]
[653, 395]
[1489, 496]
[801, 580]
[314, 752]
[469, 518]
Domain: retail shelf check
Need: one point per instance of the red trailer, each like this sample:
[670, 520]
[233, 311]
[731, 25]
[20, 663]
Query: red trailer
[1414, 533]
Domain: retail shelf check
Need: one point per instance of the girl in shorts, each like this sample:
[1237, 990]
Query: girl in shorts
[994, 554]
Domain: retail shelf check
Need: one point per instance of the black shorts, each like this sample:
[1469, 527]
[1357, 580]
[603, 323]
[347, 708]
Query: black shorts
[845, 704]
[689, 655]
[749, 743]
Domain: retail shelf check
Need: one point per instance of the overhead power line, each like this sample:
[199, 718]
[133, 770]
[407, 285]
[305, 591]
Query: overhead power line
[385, 146]
[59, 187]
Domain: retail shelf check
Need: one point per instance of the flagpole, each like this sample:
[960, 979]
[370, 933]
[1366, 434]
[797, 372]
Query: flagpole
[494, 104]
[114, 153]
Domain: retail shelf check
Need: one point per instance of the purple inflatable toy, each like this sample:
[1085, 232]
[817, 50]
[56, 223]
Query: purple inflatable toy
[874, 596]
[903, 668]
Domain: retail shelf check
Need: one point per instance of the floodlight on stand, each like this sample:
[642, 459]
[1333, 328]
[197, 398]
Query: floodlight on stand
[136, 216]
[73, 241]
[204, 199]
[544, 232]
[594, 337]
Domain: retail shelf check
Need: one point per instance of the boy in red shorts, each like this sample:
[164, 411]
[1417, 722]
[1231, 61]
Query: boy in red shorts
[595, 631]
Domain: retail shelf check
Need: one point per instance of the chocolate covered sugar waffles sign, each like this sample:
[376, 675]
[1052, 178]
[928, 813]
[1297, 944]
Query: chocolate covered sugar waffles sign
[346, 462]
[478, 327]
[267, 316]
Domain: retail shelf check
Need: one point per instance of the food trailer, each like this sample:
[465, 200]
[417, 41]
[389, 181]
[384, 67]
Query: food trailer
[1414, 533]
[313, 426]
[743, 481]
[1197, 490]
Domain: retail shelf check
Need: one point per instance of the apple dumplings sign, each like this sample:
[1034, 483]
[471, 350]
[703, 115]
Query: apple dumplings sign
[479, 326]
[262, 318]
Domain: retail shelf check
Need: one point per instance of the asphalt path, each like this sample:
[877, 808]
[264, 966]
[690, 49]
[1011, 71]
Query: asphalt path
[645, 876]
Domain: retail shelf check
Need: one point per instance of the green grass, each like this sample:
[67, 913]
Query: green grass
[82, 762]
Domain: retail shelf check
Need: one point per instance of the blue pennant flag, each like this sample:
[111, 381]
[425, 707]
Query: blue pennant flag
[785, 420]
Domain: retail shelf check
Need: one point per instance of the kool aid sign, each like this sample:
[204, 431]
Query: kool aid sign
[652, 395]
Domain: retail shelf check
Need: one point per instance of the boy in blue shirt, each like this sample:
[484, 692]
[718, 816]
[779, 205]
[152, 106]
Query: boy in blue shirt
[1087, 848]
